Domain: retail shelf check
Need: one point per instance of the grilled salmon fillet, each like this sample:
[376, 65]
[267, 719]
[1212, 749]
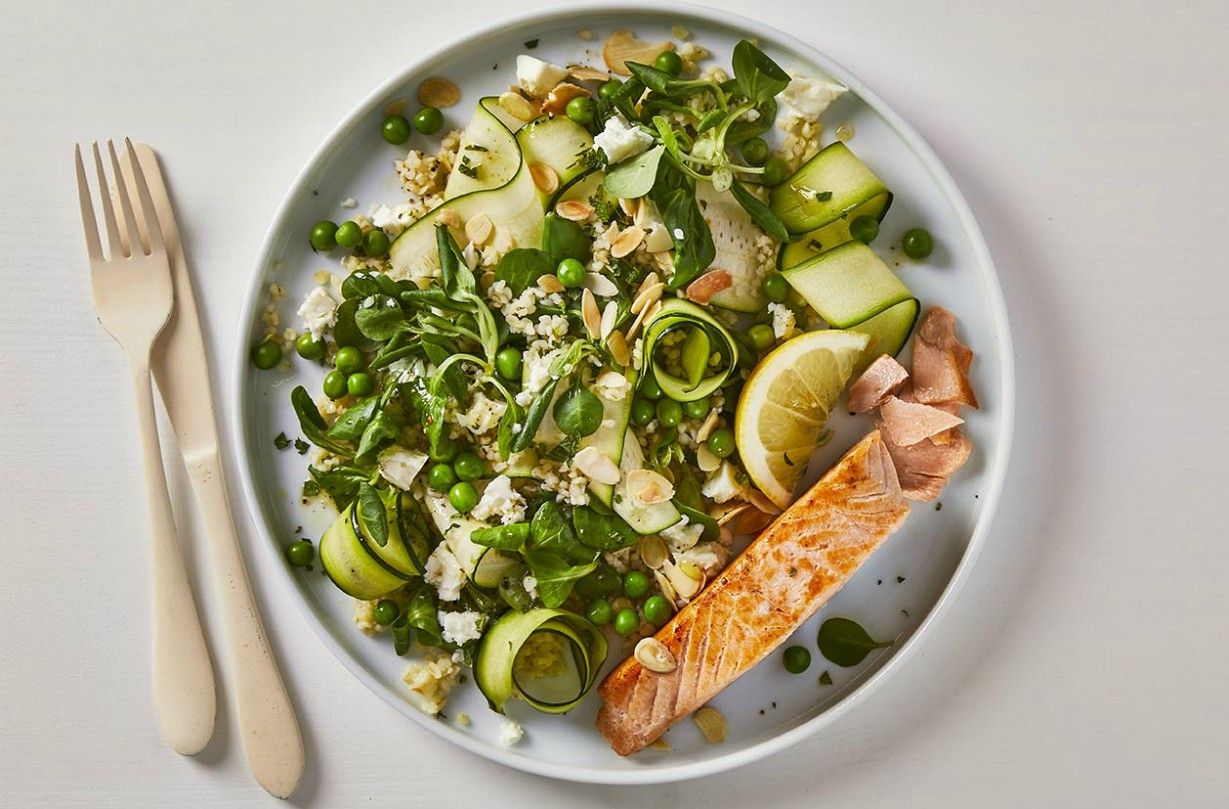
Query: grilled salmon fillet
[791, 570]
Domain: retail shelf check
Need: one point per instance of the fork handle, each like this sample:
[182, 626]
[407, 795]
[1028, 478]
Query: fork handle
[183, 686]
[268, 726]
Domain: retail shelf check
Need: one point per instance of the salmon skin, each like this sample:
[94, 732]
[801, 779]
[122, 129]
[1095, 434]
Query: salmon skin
[791, 570]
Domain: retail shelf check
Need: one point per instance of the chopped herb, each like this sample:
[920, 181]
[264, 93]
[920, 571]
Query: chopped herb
[298, 529]
[879, 582]
[815, 245]
[530, 44]
[905, 613]
[495, 66]
[792, 572]
[785, 457]
[761, 711]
[774, 705]
[310, 488]
[825, 678]
[900, 579]
[467, 168]
[938, 506]
[824, 196]
[476, 147]
[281, 441]
[301, 446]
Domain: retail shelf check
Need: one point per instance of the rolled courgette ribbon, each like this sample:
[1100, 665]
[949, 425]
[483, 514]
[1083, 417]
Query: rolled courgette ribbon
[703, 336]
[494, 665]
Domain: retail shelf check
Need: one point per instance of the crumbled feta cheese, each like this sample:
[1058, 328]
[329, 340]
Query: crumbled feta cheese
[400, 466]
[537, 77]
[683, 534]
[460, 627]
[620, 141]
[612, 386]
[531, 586]
[349, 202]
[808, 97]
[708, 556]
[510, 732]
[444, 573]
[364, 617]
[783, 325]
[722, 485]
[389, 215]
[499, 499]
[319, 312]
[431, 680]
[483, 415]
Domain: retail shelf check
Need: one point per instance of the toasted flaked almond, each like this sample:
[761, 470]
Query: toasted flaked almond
[758, 499]
[706, 286]
[660, 744]
[563, 92]
[437, 92]
[589, 312]
[679, 32]
[682, 581]
[627, 242]
[619, 351]
[517, 106]
[653, 551]
[711, 723]
[658, 240]
[709, 424]
[479, 229]
[648, 488]
[574, 210]
[645, 314]
[706, 459]
[654, 656]
[647, 297]
[450, 218]
[588, 73]
[544, 177]
[550, 283]
[749, 520]
[610, 316]
[600, 285]
[629, 206]
[596, 466]
[623, 46]
[649, 280]
[663, 584]
[664, 261]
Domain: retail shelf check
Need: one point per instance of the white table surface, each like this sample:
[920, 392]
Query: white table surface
[1087, 662]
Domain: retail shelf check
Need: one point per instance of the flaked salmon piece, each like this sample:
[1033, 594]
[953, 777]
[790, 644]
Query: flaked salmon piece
[906, 423]
[941, 362]
[881, 379]
[923, 468]
[783, 577]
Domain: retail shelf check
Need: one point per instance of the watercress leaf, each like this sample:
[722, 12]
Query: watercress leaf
[350, 424]
[624, 99]
[312, 425]
[457, 276]
[379, 317]
[693, 241]
[743, 130]
[688, 501]
[563, 238]
[634, 178]
[340, 483]
[522, 267]
[555, 574]
[758, 76]
[602, 532]
[506, 434]
[371, 513]
[379, 430]
[845, 642]
[665, 131]
[421, 613]
[550, 530]
[438, 349]
[432, 297]
[359, 285]
[346, 331]
[502, 537]
[533, 416]
[578, 411]
[760, 213]
[429, 406]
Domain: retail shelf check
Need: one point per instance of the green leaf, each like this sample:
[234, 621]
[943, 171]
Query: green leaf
[694, 355]
[512, 590]
[555, 575]
[379, 317]
[760, 213]
[502, 537]
[694, 249]
[438, 349]
[845, 642]
[359, 284]
[741, 130]
[634, 178]
[506, 434]
[578, 411]
[550, 531]
[350, 424]
[602, 532]
[311, 423]
[346, 331]
[458, 278]
[340, 483]
[825, 678]
[421, 613]
[563, 238]
[534, 416]
[522, 267]
[759, 78]
[379, 430]
[688, 501]
[372, 514]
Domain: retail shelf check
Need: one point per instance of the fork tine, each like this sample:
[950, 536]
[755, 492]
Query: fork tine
[125, 202]
[88, 218]
[153, 228]
[114, 246]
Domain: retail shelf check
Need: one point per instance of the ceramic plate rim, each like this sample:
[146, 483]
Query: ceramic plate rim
[993, 477]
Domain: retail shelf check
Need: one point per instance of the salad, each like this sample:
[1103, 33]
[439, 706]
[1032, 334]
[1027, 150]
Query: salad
[585, 358]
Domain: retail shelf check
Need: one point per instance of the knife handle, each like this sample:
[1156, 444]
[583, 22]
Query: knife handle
[267, 723]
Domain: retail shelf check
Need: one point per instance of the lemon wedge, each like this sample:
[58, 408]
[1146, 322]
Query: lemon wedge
[785, 403]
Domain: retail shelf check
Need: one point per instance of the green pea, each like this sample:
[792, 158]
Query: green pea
[469, 466]
[626, 621]
[266, 355]
[797, 659]
[385, 612]
[599, 612]
[395, 129]
[775, 171]
[428, 120]
[335, 385]
[300, 553]
[864, 228]
[571, 273]
[669, 412]
[581, 109]
[669, 62]
[649, 388]
[360, 384]
[918, 243]
[642, 411]
[609, 88]
[776, 288]
[375, 243]
[721, 442]
[697, 408]
[323, 236]
[761, 335]
[600, 583]
[440, 476]
[508, 363]
[308, 347]
[755, 151]
[348, 360]
[656, 610]
[635, 584]
[445, 450]
[463, 496]
[349, 234]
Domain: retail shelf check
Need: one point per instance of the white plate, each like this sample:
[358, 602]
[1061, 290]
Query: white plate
[767, 709]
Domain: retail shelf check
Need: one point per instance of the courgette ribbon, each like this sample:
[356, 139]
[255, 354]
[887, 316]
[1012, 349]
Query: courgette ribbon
[703, 337]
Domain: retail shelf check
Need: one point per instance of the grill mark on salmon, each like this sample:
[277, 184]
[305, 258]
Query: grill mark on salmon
[757, 602]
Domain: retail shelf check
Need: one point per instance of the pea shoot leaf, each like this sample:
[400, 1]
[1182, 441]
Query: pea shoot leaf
[845, 642]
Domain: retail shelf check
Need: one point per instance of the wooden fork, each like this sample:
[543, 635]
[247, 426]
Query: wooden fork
[134, 298]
